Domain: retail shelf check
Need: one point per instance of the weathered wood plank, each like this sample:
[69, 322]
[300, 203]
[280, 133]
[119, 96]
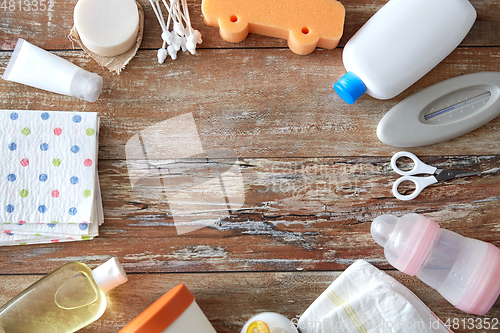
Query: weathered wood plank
[49, 29]
[307, 214]
[229, 299]
[314, 174]
[251, 97]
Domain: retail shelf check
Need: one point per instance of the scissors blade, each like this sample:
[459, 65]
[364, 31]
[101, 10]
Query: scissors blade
[443, 174]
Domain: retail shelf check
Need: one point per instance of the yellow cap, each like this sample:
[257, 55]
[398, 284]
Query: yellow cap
[258, 327]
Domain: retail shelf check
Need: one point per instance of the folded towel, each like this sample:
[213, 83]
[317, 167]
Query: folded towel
[49, 177]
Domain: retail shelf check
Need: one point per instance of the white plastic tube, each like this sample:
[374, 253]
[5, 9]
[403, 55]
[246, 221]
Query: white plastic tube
[35, 67]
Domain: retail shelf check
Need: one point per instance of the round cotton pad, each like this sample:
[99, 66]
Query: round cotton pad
[107, 27]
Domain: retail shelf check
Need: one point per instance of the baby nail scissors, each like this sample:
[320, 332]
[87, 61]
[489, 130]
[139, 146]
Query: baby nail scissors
[420, 167]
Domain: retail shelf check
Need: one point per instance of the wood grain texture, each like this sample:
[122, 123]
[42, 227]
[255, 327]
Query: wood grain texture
[314, 174]
[266, 103]
[50, 28]
[299, 214]
[229, 299]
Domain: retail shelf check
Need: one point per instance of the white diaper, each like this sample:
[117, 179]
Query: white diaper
[365, 299]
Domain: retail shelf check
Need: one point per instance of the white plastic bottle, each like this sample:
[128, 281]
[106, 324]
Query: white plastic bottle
[403, 41]
[174, 312]
[63, 301]
[465, 271]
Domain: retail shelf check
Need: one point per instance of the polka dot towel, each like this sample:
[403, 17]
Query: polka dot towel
[48, 176]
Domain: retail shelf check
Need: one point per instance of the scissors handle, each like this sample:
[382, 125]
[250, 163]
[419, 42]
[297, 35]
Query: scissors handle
[419, 167]
[420, 184]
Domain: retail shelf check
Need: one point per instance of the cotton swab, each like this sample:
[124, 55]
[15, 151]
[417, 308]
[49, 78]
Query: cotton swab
[182, 35]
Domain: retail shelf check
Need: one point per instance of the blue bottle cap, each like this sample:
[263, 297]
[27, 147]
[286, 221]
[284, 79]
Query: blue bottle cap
[350, 87]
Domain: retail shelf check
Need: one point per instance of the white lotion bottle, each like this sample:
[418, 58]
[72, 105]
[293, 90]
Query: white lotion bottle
[398, 45]
[174, 312]
[35, 67]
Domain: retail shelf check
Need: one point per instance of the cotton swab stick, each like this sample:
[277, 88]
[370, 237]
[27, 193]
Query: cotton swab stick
[182, 34]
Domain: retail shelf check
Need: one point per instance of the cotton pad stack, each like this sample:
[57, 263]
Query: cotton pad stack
[48, 177]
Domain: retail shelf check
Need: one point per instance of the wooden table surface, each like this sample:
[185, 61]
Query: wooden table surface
[314, 173]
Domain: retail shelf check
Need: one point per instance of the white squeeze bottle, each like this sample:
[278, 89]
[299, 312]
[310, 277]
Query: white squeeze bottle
[403, 41]
[465, 271]
[63, 301]
[174, 312]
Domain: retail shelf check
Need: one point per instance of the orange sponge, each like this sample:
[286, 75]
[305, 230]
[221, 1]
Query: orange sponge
[304, 23]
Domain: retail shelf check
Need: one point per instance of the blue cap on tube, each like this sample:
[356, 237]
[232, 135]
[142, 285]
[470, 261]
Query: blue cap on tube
[350, 87]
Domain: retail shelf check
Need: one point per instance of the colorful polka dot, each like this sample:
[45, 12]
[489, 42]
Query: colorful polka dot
[75, 149]
[51, 225]
[19, 181]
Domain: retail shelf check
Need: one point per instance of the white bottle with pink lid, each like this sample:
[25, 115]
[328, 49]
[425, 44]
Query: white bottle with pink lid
[465, 271]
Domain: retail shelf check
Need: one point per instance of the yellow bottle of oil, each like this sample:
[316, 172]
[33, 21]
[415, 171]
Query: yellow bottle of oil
[64, 301]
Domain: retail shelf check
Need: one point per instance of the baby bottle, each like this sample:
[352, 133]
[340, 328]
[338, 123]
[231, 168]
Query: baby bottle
[269, 322]
[64, 301]
[465, 271]
[403, 41]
